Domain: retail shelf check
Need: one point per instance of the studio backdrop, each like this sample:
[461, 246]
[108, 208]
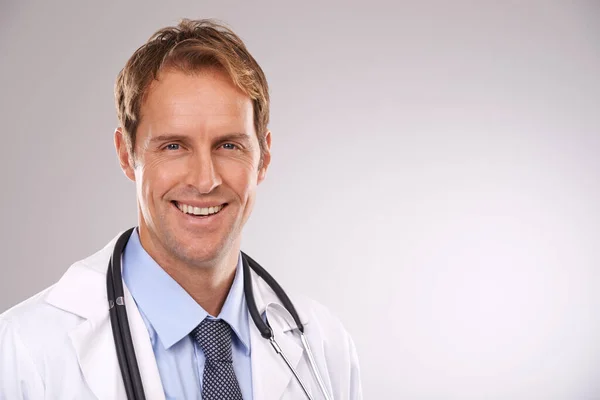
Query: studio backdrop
[435, 175]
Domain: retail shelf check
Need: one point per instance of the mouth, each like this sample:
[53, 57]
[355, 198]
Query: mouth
[199, 212]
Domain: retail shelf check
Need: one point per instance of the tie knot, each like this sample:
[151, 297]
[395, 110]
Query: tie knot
[214, 338]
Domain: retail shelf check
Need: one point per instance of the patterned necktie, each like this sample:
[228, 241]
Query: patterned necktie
[219, 381]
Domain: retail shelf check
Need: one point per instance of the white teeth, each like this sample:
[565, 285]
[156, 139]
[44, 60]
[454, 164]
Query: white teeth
[198, 210]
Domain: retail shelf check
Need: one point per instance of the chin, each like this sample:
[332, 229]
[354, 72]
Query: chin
[199, 253]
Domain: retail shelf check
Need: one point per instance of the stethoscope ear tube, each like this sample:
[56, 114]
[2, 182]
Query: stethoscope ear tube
[314, 367]
[291, 367]
[135, 389]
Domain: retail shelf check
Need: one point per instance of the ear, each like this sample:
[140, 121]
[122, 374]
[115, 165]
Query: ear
[124, 159]
[262, 172]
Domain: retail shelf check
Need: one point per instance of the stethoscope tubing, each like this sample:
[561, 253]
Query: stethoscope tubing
[122, 334]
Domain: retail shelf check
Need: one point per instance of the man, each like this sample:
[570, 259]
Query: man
[193, 107]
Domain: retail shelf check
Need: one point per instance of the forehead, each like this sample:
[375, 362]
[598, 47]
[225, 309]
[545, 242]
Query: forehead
[207, 96]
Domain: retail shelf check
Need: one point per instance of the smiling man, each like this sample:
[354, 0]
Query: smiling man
[193, 107]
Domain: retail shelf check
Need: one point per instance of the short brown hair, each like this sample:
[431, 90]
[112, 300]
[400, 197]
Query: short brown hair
[189, 47]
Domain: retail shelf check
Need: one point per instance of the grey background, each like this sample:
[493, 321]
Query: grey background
[435, 177]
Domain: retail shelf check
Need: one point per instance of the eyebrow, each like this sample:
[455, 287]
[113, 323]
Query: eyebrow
[168, 137]
[234, 136]
[182, 138]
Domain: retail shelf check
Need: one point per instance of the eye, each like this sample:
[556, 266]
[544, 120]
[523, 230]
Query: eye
[172, 146]
[230, 146]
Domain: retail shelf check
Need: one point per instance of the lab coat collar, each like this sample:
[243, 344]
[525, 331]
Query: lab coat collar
[82, 291]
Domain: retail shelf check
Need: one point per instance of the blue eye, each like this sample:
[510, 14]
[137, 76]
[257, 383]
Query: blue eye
[172, 146]
[230, 146]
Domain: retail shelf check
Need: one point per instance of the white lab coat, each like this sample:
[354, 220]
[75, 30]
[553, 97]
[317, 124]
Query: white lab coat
[59, 345]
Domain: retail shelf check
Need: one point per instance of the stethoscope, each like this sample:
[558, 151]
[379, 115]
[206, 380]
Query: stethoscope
[122, 334]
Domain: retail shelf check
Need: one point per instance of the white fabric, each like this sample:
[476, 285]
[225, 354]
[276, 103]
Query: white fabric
[59, 345]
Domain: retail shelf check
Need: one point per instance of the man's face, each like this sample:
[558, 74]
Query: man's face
[196, 166]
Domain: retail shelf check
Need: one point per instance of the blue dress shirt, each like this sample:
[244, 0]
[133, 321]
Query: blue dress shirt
[170, 314]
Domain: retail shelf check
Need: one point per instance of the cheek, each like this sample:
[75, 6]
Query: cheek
[157, 178]
[241, 178]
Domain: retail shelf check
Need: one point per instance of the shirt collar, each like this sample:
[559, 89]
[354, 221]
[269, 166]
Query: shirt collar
[170, 310]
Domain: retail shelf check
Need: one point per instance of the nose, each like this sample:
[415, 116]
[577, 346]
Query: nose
[203, 175]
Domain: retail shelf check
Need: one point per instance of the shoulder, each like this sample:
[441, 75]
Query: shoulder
[35, 325]
[322, 321]
[28, 334]
[30, 315]
[45, 319]
[318, 313]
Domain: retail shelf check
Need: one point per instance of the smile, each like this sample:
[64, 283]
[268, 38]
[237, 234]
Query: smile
[188, 209]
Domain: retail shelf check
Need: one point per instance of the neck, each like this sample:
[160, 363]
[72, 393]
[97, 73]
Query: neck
[208, 284]
[209, 287]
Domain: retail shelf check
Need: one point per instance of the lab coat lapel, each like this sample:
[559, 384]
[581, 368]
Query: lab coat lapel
[82, 291]
[270, 374]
